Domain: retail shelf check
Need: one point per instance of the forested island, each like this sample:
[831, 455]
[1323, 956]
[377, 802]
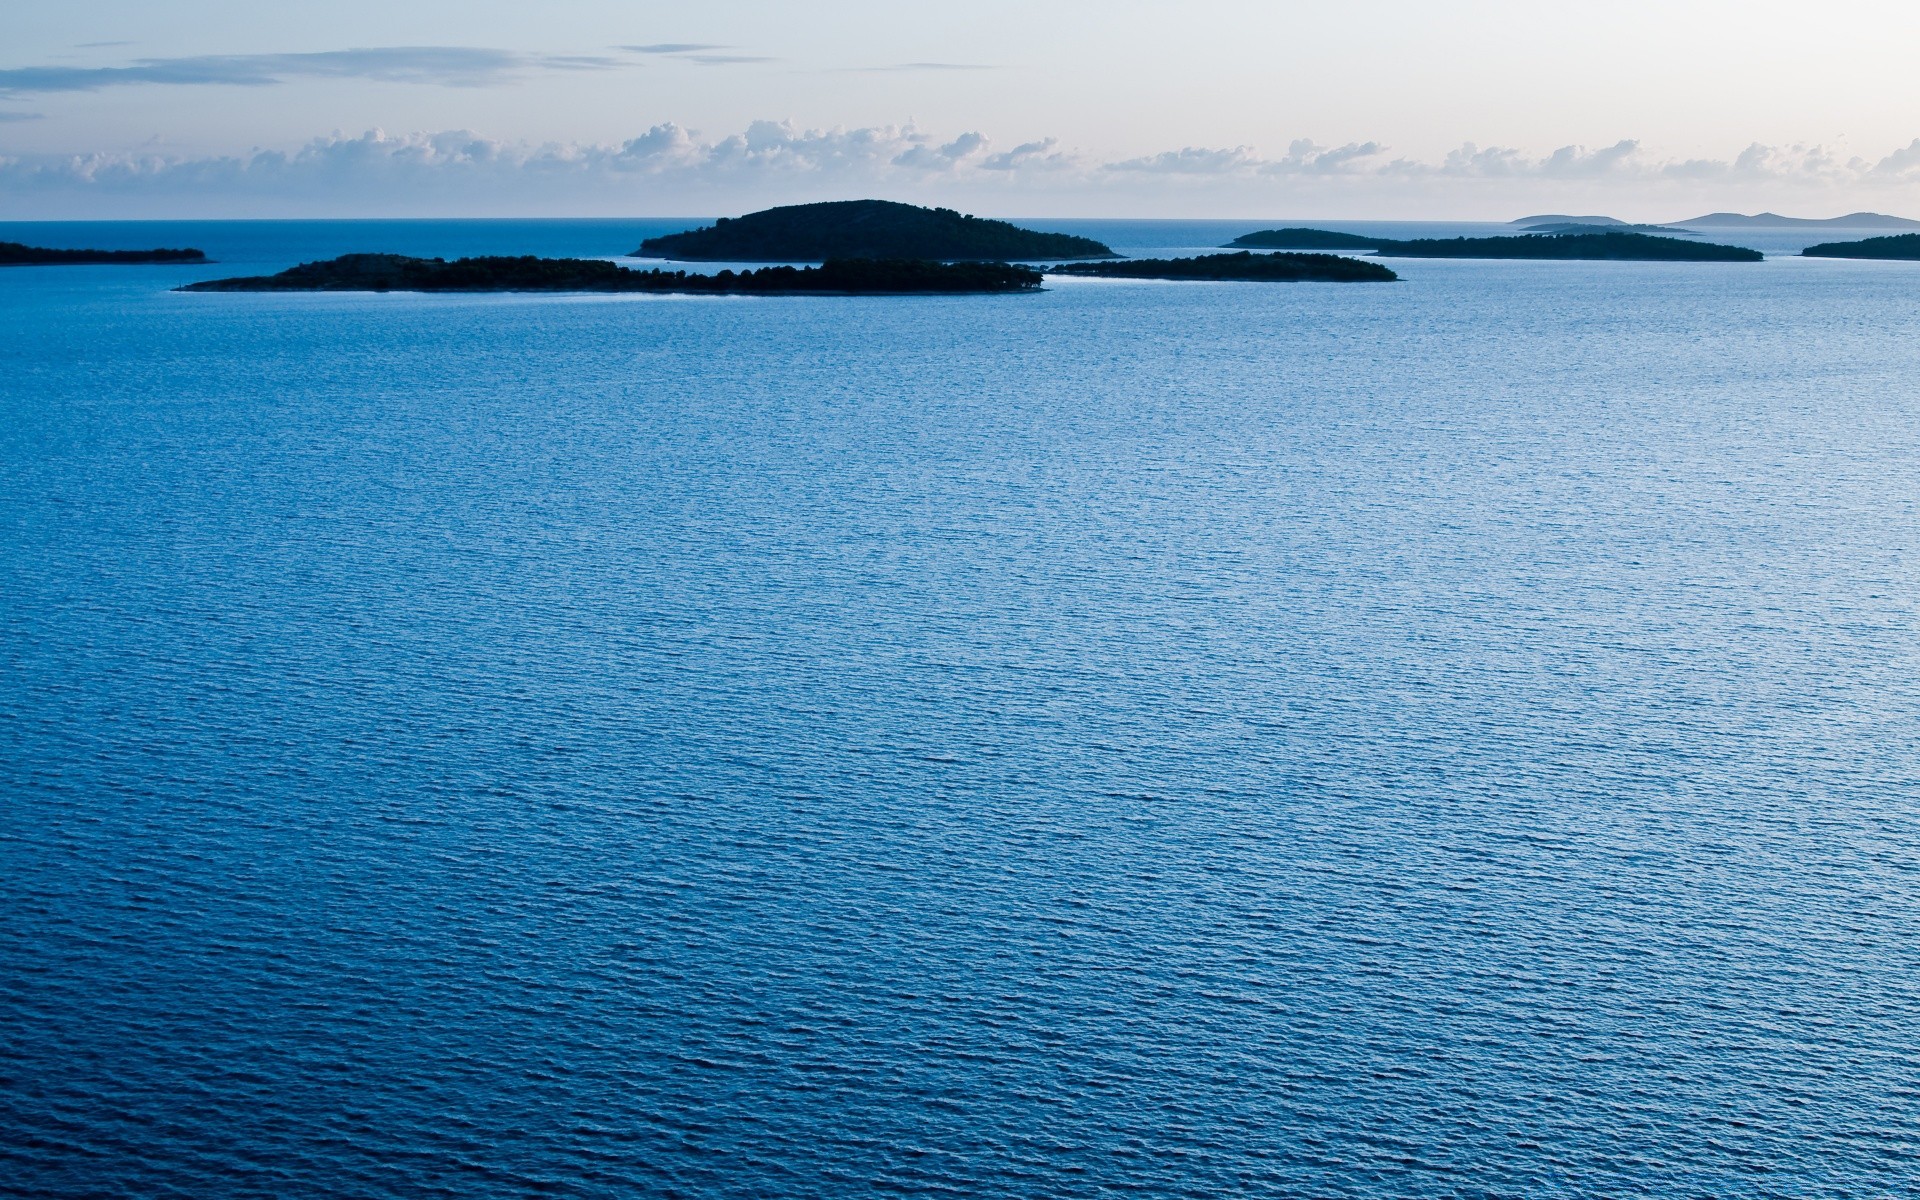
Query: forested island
[1606, 244]
[1900, 246]
[1302, 239]
[866, 229]
[1245, 266]
[14, 254]
[844, 277]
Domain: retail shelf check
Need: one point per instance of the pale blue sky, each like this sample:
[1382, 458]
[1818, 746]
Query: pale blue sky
[1373, 108]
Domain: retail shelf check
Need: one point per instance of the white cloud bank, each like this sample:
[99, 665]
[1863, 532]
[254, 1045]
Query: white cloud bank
[669, 170]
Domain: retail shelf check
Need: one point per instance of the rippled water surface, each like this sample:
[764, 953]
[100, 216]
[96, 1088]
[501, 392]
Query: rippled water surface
[1448, 738]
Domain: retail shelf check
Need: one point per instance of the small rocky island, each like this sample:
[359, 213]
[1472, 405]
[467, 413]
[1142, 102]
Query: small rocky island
[1244, 266]
[840, 277]
[1302, 239]
[1904, 246]
[866, 229]
[14, 254]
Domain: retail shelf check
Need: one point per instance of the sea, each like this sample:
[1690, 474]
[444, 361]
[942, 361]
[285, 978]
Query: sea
[1450, 738]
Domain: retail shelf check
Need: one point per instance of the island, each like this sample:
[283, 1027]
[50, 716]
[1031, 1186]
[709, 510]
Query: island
[1609, 246]
[1302, 239]
[866, 229]
[1768, 220]
[1606, 227]
[14, 254]
[1244, 266]
[1904, 246]
[838, 277]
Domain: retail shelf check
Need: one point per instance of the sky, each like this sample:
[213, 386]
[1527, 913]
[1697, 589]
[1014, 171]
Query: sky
[1372, 109]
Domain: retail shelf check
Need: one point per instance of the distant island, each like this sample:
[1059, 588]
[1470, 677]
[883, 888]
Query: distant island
[1608, 245]
[1564, 219]
[14, 254]
[1302, 239]
[1244, 266]
[866, 229]
[1607, 227]
[398, 273]
[1905, 246]
[1859, 220]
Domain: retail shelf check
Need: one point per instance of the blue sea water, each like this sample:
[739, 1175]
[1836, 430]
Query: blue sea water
[1452, 738]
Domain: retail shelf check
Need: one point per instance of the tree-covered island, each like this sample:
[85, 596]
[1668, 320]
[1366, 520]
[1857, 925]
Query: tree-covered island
[866, 229]
[1244, 266]
[1609, 246]
[1301, 239]
[840, 277]
[1601, 244]
[1905, 246]
[14, 254]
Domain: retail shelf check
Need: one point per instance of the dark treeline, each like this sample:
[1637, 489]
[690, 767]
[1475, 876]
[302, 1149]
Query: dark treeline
[1901, 246]
[866, 229]
[14, 254]
[399, 273]
[1257, 268]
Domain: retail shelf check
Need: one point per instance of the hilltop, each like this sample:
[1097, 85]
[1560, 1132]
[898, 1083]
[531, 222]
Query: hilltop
[866, 229]
[398, 273]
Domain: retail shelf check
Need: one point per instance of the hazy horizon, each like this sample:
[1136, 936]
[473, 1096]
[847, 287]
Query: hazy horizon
[1387, 111]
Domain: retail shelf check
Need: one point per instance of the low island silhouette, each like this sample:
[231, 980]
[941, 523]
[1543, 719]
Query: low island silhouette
[866, 229]
[1593, 243]
[1244, 266]
[1301, 239]
[1904, 246]
[839, 277]
[14, 254]
[1770, 220]
[1610, 246]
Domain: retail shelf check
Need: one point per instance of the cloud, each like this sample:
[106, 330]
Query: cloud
[1303, 157]
[917, 66]
[699, 53]
[454, 66]
[21, 116]
[670, 168]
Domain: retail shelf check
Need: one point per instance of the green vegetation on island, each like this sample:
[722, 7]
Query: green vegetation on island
[1904, 246]
[14, 254]
[1244, 266]
[398, 273]
[1608, 246]
[1302, 239]
[866, 229]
